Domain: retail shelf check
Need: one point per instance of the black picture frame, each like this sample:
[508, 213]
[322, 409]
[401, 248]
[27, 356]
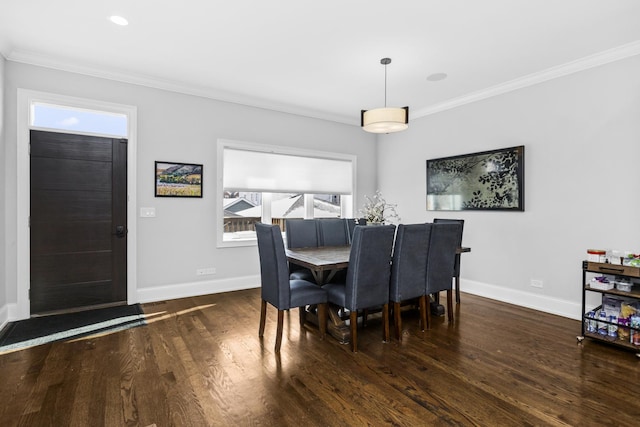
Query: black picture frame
[177, 179]
[488, 180]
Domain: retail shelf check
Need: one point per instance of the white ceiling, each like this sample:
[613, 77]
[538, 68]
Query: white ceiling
[322, 58]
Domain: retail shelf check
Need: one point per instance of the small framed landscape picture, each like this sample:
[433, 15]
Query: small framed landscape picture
[178, 179]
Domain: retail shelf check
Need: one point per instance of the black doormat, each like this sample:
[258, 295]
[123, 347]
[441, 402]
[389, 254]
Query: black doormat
[42, 330]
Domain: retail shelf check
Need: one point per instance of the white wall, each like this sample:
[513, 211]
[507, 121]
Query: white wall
[177, 127]
[581, 135]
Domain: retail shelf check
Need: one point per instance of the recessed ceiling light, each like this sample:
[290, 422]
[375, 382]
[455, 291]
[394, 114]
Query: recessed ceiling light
[436, 77]
[118, 20]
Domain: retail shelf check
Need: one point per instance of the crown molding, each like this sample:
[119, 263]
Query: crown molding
[41, 60]
[601, 58]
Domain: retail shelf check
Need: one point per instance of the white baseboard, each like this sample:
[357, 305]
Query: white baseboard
[570, 309]
[8, 313]
[183, 290]
[4, 316]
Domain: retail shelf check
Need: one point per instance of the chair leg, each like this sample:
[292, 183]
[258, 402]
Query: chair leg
[322, 319]
[450, 305]
[385, 322]
[263, 316]
[279, 330]
[303, 315]
[428, 315]
[365, 315]
[457, 280]
[423, 312]
[353, 318]
[397, 320]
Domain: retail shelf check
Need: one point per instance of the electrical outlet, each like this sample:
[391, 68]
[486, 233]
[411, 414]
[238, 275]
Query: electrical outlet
[536, 283]
[205, 271]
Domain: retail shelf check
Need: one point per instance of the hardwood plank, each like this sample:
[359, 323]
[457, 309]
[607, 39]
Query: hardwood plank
[199, 361]
[89, 384]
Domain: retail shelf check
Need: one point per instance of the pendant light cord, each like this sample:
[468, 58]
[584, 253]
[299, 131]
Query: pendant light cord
[385, 62]
[385, 85]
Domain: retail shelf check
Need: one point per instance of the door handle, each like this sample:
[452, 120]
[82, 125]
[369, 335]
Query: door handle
[120, 231]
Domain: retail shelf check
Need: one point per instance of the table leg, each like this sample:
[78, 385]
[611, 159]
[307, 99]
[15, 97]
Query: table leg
[318, 276]
[336, 327]
[437, 309]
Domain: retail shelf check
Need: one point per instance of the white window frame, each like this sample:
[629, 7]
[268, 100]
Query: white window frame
[222, 144]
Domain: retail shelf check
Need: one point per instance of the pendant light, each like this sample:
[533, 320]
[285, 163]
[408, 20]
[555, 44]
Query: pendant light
[387, 119]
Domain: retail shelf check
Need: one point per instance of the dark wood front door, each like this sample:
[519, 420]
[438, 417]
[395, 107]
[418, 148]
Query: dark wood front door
[78, 222]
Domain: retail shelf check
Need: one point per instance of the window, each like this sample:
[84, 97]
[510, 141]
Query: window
[78, 120]
[270, 184]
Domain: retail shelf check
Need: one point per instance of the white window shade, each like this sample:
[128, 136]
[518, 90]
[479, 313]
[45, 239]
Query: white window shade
[273, 172]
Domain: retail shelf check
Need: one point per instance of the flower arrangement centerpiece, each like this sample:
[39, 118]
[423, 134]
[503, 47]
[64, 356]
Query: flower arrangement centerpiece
[376, 210]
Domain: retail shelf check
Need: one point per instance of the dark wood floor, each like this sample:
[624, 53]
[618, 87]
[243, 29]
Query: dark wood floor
[200, 362]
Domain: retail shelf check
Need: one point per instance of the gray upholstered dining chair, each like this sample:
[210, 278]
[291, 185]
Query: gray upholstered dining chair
[351, 225]
[443, 243]
[367, 278]
[333, 232]
[281, 291]
[409, 271]
[301, 233]
[456, 264]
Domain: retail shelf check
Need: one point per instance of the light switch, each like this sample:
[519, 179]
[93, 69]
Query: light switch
[148, 212]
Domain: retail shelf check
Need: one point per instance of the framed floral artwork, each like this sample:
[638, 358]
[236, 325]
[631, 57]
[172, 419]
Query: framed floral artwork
[488, 180]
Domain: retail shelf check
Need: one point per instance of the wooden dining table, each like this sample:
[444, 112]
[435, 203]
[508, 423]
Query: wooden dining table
[324, 262]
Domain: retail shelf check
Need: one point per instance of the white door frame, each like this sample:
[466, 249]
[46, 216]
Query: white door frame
[26, 98]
